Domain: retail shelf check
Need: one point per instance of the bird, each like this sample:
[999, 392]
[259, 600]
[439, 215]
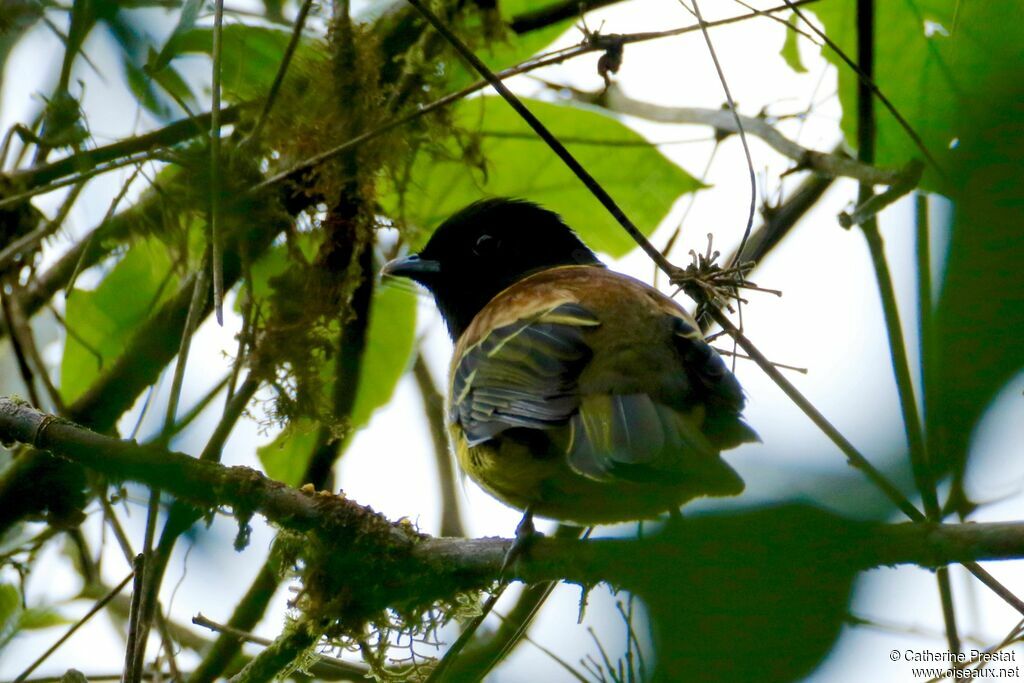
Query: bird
[575, 392]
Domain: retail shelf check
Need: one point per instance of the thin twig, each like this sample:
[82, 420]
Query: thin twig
[132, 662]
[169, 135]
[20, 356]
[22, 330]
[26, 243]
[433, 406]
[338, 665]
[232, 412]
[216, 257]
[148, 585]
[20, 198]
[739, 126]
[282, 70]
[871, 204]
[779, 20]
[80, 263]
[192, 413]
[200, 291]
[439, 672]
[155, 567]
[100, 604]
[794, 368]
[831, 164]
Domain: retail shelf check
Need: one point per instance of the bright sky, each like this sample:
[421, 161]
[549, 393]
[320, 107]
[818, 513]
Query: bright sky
[828, 321]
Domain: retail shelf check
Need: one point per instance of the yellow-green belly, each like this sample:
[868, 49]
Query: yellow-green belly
[512, 474]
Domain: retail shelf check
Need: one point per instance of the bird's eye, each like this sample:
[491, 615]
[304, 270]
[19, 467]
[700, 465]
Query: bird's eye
[485, 245]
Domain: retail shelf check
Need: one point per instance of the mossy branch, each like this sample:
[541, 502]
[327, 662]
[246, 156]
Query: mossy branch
[425, 569]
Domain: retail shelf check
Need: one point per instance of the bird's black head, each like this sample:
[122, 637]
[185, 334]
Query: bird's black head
[483, 249]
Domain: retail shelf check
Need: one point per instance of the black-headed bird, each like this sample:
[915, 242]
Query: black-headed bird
[575, 392]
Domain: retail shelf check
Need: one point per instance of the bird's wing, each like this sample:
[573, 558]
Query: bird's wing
[636, 437]
[716, 388]
[522, 374]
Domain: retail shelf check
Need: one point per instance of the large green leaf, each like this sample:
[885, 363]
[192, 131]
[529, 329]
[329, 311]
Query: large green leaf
[389, 344]
[935, 60]
[286, 457]
[250, 56]
[980, 318]
[952, 68]
[102, 321]
[509, 160]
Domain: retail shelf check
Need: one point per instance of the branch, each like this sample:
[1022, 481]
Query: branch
[172, 134]
[780, 219]
[423, 569]
[542, 17]
[202, 483]
[433, 407]
[614, 99]
[89, 250]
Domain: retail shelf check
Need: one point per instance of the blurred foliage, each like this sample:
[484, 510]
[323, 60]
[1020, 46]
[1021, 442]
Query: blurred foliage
[389, 347]
[952, 70]
[755, 596]
[790, 49]
[250, 58]
[15, 618]
[105, 318]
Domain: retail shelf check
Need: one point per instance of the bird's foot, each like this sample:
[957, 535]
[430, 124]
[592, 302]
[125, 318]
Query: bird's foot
[526, 534]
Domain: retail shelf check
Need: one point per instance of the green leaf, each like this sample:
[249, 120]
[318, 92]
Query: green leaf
[40, 617]
[791, 51]
[977, 334]
[936, 60]
[14, 618]
[10, 610]
[102, 321]
[389, 345]
[511, 161]
[952, 68]
[250, 57]
[286, 457]
[186, 22]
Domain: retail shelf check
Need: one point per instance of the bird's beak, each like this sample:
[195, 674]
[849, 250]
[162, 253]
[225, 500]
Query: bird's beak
[412, 266]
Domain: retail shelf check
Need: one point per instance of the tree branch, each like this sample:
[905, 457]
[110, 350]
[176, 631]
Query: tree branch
[614, 99]
[423, 569]
[542, 17]
[172, 134]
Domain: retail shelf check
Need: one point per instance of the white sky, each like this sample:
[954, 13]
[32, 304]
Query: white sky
[828, 320]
